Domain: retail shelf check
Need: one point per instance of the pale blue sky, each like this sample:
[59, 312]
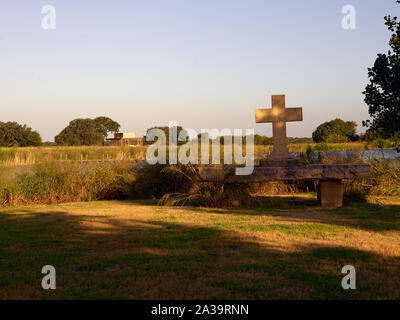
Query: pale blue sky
[206, 64]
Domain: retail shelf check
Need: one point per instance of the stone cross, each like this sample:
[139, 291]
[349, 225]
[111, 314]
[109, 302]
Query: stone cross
[279, 115]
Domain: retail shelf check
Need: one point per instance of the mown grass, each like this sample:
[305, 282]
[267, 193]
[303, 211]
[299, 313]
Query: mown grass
[136, 250]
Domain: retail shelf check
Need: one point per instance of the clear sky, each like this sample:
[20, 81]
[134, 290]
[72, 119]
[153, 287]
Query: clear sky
[204, 63]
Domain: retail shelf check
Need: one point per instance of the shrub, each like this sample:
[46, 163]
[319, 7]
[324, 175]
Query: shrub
[382, 143]
[208, 194]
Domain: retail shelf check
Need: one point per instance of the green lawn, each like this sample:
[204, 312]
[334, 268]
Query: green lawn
[136, 250]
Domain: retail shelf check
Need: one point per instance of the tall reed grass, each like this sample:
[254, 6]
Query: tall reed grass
[66, 182]
[36, 155]
[35, 175]
[385, 180]
[209, 194]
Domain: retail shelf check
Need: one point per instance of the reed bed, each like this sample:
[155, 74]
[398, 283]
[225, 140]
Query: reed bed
[65, 174]
[30, 156]
[55, 182]
[35, 155]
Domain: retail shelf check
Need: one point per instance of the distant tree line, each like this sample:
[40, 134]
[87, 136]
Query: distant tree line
[180, 131]
[90, 132]
[260, 140]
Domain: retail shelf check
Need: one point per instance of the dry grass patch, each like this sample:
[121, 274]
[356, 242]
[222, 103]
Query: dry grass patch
[136, 250]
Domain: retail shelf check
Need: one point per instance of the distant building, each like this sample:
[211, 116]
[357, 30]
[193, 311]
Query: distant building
[126, 139]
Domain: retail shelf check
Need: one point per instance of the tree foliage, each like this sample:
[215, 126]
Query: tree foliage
[86, 132]
[106, 125]
[263, 140]
[167, 130]
[335, 131]
[382, 94]
[14, 134]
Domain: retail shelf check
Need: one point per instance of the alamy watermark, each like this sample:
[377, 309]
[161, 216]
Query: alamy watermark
[49, 22]
[349, 21]
[49, 17]
[49, 280]
[188, 153]
[349, 281]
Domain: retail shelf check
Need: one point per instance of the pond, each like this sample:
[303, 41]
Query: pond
[366, 154]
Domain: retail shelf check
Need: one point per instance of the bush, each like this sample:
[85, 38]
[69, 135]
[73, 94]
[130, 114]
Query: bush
[382, 143]
[322, 146]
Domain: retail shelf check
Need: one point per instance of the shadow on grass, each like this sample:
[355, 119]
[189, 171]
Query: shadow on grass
[152, 259]
[359, 215]
[282, 202]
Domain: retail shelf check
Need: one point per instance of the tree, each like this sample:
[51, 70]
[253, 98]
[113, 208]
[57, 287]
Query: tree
[106, 125]
[263, 140]
[382, 94]
[87, 132]
[32, 138]
[14, 134]
[167, 130]
[372, 134]
[335, 131]
[80, 132]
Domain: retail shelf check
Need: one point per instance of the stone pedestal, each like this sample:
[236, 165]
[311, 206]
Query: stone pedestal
[330, 193]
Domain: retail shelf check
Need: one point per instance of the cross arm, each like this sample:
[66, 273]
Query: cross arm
[264, 115]
[270, 115]
[294, 114]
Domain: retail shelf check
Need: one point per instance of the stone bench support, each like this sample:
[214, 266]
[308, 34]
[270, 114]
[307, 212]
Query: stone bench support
[330, 193]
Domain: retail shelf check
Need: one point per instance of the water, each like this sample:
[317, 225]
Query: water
[366, 154]
[387, 154]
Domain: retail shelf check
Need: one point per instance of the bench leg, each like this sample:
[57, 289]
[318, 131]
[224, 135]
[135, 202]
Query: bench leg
[330, 193]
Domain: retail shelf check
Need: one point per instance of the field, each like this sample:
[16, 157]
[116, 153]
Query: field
[284, 247]
[291, 249]
[36, 155]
